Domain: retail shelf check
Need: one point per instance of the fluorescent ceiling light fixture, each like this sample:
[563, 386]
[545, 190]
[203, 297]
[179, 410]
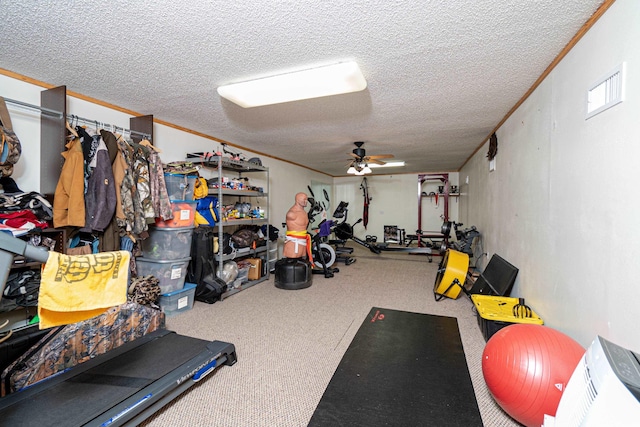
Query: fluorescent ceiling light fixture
[344, 77]
[387, 165]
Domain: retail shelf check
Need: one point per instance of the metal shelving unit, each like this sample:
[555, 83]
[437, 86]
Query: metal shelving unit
[242, 169]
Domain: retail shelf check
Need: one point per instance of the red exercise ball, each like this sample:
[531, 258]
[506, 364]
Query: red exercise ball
[527, 367]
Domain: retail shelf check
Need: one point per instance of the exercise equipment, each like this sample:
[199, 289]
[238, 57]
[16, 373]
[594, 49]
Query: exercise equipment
[330, 254]
[464, 237]
[365, 211]
[444, 193]
[401, 369]
[344, 231]
[342, 251]
[527, 367]
[423, 239]
[123, 386]
[451, 276]
[293, 273]
[324, 256]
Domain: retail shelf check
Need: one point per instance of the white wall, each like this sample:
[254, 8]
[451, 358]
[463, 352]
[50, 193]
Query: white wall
[394, 201]
[26, 124]
[561, 204]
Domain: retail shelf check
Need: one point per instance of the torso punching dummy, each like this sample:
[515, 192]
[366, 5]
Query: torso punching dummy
[298, 241]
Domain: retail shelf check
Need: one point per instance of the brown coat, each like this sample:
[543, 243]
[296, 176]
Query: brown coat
[68, 202]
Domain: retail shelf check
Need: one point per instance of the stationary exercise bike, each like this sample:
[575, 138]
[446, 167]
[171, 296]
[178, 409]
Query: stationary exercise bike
[339, 245]
[338, 252]
[324, 256]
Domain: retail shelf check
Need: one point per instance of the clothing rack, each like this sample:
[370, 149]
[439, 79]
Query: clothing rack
[74, 119]
[33, 107]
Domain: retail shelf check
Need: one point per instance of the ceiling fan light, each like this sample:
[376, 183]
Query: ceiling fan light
[351, 170]
[366, 169]
[336, 79]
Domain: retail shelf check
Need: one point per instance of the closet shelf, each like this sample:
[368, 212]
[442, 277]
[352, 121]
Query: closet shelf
[244, 252]
[226, 163]
[244, 221]
[242, 287]
[440, 195]
[239, 193]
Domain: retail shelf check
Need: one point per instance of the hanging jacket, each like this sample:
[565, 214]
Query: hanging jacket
[133, 221]
[89, 147]
[68, 202]
[143, 186]
[100, 195]
[159, 194]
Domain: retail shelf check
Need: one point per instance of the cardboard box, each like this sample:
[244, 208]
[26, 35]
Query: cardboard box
[255, 269]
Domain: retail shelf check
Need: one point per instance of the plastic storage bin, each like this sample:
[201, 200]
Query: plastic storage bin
[243, 273]
[184, 215]
[170, 273]
[168, 243]
[178, 301]
[179, 186]
[495, 313]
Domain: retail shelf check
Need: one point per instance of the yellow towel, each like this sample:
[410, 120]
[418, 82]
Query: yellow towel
[76, 288]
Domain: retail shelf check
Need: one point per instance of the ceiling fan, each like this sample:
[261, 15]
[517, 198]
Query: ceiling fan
[360, 155]
[359, 165]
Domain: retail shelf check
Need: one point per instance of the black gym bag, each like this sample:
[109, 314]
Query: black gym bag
[202, 268]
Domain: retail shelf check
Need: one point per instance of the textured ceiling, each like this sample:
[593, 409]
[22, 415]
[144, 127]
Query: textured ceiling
[441, 74]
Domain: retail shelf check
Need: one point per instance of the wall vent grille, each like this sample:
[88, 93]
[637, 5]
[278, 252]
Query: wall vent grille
[606, 92]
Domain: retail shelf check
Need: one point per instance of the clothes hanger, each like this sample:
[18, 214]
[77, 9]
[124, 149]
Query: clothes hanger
[77, 125]
[116, 133]
[146, 143]
[71, 130]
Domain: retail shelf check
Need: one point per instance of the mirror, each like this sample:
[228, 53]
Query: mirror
[321, 192]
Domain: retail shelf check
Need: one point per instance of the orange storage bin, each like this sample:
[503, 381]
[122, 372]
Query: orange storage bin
[184, 215]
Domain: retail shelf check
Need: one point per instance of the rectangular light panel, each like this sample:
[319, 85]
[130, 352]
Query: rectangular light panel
[336, 79]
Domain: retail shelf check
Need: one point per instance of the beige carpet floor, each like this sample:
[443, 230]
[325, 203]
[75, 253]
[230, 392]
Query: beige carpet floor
[289, 343]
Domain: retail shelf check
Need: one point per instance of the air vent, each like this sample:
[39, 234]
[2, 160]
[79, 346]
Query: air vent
[606, 92]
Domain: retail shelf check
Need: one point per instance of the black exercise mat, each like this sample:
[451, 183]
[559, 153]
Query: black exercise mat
[401, 369]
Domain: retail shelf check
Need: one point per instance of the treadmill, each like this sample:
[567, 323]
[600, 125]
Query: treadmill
[122, 387]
